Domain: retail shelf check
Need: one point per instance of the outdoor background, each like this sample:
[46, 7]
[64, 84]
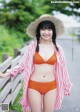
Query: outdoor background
[15, 15]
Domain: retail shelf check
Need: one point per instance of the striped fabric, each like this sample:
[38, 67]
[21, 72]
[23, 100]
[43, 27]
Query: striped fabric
[26, 66]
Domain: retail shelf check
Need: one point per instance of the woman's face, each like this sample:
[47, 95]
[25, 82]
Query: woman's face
[46, 34]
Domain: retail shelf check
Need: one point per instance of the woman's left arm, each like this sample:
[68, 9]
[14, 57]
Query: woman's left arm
[65, 75]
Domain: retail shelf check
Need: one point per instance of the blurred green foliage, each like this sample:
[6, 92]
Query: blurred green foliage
[9, 39]
[19, 13]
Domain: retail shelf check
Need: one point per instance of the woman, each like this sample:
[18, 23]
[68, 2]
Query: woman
[46, 78]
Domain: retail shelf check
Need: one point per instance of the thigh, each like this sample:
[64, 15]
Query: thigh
[49, 100]
[35, 100]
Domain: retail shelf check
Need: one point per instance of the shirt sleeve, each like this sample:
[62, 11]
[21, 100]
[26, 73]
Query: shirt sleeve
[20, 67]
[65, 75]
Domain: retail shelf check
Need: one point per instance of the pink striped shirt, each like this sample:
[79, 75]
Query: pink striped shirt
[26, 66]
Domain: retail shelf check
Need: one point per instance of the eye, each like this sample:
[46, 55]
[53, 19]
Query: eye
[49, 29]
[42, 29]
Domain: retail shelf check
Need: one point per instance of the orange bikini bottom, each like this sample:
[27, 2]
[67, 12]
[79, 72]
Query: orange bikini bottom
[42, 87]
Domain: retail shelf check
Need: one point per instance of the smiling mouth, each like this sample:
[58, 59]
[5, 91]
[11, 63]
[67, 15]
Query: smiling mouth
[46, 36]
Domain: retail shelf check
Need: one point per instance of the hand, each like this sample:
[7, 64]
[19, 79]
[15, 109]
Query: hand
[3, 75]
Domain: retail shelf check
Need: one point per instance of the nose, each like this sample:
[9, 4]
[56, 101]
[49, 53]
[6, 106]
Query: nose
[46, 31]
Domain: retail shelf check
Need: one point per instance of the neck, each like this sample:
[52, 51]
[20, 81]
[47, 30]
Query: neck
[45, 41]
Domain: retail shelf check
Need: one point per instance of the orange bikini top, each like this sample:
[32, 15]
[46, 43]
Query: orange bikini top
[39, 60]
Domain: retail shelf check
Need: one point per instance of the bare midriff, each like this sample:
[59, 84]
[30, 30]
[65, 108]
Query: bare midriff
[43, 73]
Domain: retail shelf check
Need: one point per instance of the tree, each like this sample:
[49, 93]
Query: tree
[19, 13]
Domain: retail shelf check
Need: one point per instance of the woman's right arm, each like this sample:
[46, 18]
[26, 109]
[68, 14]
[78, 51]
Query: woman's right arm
[14, 70]
[18, 68]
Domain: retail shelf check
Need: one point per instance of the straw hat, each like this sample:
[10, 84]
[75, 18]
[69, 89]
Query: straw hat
[31, 29]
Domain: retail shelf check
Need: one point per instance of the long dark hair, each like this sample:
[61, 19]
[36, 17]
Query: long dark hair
[46, 25]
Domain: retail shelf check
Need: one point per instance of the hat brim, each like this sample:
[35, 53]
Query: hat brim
[31, 29]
